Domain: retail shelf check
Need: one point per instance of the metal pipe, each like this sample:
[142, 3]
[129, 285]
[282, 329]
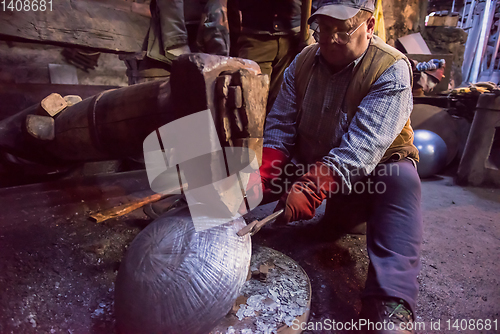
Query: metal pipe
[463, 15]
[452, 8]
[487, 36]
[471, 11]
[470, 47]
[495, 52]
[481, 46]
[489, 25]
[462, 21]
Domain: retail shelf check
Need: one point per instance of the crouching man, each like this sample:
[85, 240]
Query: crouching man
[343, 112]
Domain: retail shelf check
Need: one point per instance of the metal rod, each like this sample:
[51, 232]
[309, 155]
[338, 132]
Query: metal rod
[495, 52]
[471, 11]
[481, 46]
[452, 7]
[470, 47]
[490, 21]
[463, 15]
[488, 34]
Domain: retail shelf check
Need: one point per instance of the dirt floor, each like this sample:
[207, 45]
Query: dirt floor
[57, 270]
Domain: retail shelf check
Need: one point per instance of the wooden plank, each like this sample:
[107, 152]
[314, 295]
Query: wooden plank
[448, 21]
[126, 6]
[100, 25]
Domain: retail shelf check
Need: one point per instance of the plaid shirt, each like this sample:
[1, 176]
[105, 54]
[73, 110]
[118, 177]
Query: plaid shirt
[356, 147]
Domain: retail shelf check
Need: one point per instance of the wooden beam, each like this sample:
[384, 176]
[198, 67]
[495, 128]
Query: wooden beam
[126, 6]
[111, 25]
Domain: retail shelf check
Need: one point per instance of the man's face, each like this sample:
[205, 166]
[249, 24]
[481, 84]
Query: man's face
[339, 55]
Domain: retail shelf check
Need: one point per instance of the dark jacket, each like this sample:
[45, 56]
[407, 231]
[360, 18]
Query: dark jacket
[275, 17]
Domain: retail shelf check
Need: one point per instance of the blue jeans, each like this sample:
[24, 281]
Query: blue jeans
[391, 209]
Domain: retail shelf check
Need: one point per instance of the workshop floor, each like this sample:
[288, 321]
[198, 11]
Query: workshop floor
[57, 273]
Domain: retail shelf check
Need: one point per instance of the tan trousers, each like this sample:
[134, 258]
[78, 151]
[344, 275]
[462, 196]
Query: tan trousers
[273, 54]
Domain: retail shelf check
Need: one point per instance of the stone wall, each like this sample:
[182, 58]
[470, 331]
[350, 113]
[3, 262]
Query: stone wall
[403, 17]
[28, 63]
[448, 40]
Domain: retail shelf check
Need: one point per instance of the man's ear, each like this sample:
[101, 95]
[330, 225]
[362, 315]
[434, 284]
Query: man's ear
[370, 26]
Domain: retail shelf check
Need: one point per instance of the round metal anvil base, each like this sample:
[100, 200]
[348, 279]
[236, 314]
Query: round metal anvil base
[275, 298]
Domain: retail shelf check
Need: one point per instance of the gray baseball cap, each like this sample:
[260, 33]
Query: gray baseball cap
[342, 9]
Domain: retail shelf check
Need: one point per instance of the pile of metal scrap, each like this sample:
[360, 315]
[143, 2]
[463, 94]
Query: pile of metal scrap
[276, 295]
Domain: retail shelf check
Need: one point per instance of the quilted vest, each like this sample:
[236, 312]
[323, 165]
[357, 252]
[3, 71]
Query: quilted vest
[378, 58]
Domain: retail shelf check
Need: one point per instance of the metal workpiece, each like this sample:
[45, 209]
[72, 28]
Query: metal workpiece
[113, 124]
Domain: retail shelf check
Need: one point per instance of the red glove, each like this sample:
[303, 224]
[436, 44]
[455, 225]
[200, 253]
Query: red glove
[273, 162]
[307, 193]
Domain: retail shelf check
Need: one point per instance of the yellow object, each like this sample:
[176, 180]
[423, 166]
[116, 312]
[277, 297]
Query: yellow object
[474, 88]
[125, 208]
[379, 21]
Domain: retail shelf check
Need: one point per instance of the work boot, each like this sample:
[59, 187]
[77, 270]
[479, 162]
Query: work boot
[386, 316]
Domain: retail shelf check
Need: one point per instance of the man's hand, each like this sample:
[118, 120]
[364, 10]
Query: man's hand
[307, 194]
[273, 162]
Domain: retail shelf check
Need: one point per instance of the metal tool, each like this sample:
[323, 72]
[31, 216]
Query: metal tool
[256, 225]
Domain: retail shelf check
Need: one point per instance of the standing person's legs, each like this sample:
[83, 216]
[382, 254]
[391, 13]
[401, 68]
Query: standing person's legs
[286, 52]
[262, 49]
[273, 54]
[394, 233]
[170, 15]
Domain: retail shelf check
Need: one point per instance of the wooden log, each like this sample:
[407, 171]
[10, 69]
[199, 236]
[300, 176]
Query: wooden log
[110, 25]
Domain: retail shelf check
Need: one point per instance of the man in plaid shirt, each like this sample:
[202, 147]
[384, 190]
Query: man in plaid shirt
[342, 133]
